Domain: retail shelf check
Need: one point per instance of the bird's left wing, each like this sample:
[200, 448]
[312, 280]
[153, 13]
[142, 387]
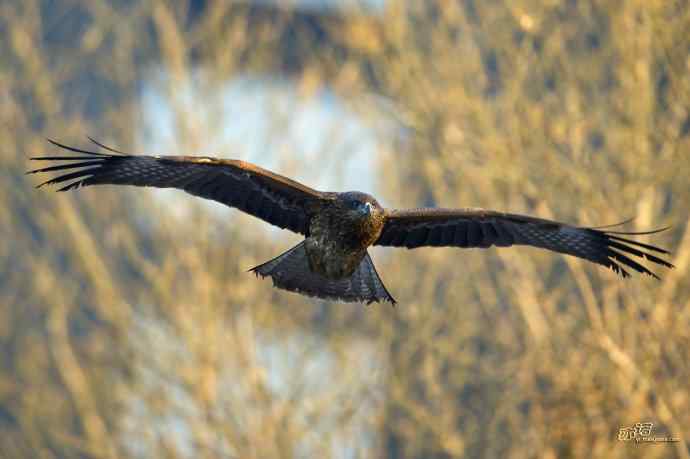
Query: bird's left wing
[271, 197]
[484, 228]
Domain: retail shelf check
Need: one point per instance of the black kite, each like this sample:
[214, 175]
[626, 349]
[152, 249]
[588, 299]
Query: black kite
[332, 262]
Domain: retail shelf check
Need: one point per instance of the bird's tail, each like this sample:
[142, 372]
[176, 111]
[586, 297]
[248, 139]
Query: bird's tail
[291, 271]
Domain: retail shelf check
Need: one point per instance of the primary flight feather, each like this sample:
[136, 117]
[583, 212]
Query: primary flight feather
[332, 262]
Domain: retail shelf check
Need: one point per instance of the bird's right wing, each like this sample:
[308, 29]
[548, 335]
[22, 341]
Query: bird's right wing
[271, 197]
[485, 228]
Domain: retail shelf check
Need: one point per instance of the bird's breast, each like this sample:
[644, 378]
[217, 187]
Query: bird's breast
[337, 244]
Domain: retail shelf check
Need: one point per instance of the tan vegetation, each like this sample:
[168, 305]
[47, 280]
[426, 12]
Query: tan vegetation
[129, 331]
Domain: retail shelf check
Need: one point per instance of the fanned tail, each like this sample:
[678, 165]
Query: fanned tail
[291, 271]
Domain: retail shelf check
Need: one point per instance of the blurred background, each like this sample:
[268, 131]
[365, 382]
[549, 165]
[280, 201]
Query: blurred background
[129, 327]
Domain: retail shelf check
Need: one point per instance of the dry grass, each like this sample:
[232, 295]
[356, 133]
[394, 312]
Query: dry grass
[127, 331]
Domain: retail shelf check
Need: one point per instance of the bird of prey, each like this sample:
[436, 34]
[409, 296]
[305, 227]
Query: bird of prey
[332, 262]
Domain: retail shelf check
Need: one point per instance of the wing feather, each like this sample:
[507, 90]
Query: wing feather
[264, 194]
[484, 228]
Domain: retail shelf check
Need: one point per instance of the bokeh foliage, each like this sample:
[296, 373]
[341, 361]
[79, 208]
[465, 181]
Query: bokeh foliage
[120, 321]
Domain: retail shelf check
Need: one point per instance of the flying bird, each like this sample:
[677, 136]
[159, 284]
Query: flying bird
[332, 261]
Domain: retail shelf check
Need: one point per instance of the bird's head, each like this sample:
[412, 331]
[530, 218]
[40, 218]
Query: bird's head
[361, 204]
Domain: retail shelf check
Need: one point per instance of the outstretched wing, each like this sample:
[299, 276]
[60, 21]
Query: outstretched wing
[484, 228]
[256, 191]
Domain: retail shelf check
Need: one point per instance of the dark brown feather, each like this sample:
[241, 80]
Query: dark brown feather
[276, 199]
[484, 228]
[291, 271]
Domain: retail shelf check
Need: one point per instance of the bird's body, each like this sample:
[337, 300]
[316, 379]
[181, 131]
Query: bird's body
[340, 235]
[332, 262]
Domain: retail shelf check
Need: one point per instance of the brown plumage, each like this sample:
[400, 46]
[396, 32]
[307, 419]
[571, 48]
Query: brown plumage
[332, 262]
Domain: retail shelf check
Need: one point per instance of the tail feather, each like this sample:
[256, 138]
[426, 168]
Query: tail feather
[291, 271]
